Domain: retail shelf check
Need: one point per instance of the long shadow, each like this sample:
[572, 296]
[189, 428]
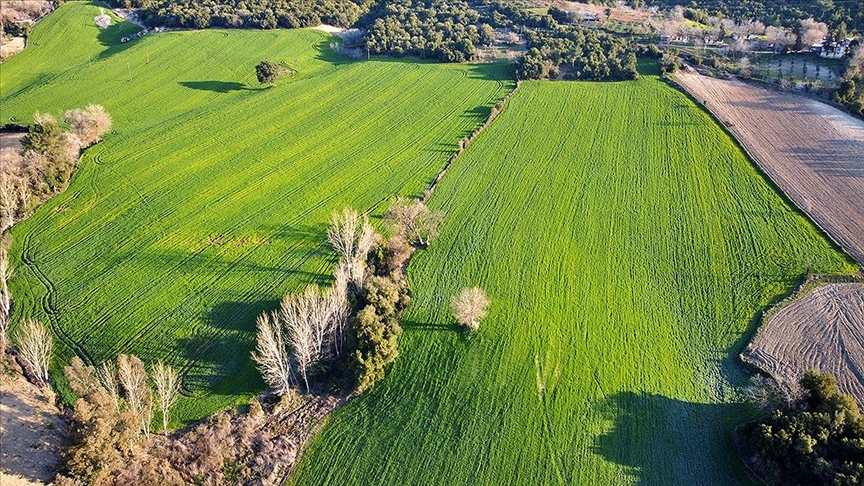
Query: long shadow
[215, 86]
[111, 36]
[661, 440]
[219, 357]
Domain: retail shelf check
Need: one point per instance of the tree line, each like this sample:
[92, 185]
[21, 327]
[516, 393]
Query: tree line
[444, 30]
[346, 335]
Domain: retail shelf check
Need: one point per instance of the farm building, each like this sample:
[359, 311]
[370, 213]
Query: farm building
[834, 50]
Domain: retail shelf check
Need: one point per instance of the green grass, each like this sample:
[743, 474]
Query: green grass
[210, 198]
[627, 245]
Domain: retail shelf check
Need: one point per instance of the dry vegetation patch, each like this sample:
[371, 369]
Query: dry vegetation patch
[812, 151]
[823, 330]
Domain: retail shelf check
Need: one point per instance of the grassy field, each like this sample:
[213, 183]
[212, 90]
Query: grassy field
[209, 199]
[627, 245]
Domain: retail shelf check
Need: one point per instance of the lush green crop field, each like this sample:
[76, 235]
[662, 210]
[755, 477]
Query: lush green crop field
[210, 199]
[627, 245]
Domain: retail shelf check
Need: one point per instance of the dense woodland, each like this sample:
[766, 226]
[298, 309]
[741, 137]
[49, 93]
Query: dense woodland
[444, 30]
[577, 54]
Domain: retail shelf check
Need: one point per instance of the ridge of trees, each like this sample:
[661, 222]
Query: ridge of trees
[347, 333]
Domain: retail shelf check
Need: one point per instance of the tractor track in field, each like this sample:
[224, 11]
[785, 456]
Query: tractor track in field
[821, 330]
[813, 152]
[46, 301]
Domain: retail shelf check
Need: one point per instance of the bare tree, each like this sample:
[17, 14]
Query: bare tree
[167, 382]
[35, 345]
[294, 314]
[812, 32]
[353, 236]
[133, 379]
[779, 36]
[88, 124]
[342, 232]
[337, 302]
[9, 200]
[5, 297]
[414, 220]
[469, 307]
[107, 375]
[271, 354]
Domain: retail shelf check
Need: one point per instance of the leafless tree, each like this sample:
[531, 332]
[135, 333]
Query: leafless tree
[88, 124]
[271, 354]
[337, 302]
[35, 345]
[167, 382]
[779, 36]
[414, 220]
[352, 235]
[343, 229]
[9, 200]
[133, 379]
[102, 20]
[5, 296]
[469, 307]
[295, 316]
[812, 32]
[107, 375]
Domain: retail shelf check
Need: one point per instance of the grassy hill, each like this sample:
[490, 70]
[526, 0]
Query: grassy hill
[626, 244]
[209, 199]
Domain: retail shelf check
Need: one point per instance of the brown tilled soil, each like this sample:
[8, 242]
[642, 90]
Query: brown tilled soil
[823, 330]
[812, 151]
[32, 432]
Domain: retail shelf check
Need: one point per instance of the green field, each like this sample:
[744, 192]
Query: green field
[625, 241]
[626, 245]
[210, 198]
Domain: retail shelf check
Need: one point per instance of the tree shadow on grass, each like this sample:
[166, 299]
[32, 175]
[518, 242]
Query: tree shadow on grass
[215, 86]
[219, 356]
[111, 36]
[662, 440]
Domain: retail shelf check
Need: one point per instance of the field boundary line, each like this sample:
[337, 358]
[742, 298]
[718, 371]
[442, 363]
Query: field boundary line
[466, 141]
[761, 168]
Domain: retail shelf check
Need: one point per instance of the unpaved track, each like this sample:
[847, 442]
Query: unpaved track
[32, 432]
[812, 151]
[823, 330]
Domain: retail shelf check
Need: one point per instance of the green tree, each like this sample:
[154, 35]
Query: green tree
[375, 329]
[267, 72]
[818, 439]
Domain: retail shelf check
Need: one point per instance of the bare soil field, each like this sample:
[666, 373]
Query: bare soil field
[32, 432]
[823, 330]
[812, 151]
